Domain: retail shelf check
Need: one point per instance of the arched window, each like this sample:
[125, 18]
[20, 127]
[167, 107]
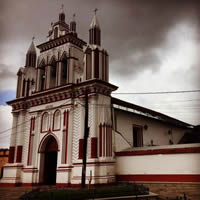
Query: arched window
[56, 32]
[45, 122]
[41, 76]
[28, 88]
[53, 73]
[56, 120]
[64, 70]
[23, 87]
[19, 83]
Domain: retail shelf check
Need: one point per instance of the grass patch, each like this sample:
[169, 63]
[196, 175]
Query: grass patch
[99, 192]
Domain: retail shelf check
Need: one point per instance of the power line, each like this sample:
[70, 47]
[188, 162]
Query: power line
[165, 92]
[27, 121]
[108, 106]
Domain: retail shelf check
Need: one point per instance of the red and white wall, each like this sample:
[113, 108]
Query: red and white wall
[172, 163]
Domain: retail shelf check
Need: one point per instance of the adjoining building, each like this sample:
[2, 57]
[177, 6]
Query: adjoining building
[3, 160]
[126, 142]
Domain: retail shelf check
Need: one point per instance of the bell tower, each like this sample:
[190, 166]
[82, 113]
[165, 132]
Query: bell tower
[50, 103]
[95, 31]
[27, 75]
[96, 57]
[31, 55]
[62, 15]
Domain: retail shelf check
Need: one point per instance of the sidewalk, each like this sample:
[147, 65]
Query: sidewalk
[13, 193]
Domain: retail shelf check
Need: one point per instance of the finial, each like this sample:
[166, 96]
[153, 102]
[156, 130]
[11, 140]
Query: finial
[62, 8]
[33, 38]
[51, 23]
[74, 15]
[95, 11]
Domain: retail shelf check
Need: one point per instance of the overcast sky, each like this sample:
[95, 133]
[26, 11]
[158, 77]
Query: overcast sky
[154, 45]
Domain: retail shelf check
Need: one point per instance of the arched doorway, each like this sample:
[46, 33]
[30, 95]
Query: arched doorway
[50, 161]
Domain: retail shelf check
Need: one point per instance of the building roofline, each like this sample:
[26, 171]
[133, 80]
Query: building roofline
[150, 113]
[69, 86]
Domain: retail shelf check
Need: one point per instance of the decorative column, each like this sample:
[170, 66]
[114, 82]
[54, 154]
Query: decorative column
[93, 63]
[70, 65]
[13, 138]
[58, 74]
[38, 79]
[47, 77]
[94, 110]
[107, 67]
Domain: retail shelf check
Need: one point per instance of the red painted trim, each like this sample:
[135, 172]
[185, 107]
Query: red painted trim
[100, 140]
[9, 184]
[159, 151]
[63, 184]
[11, 155]
[65, 167]
[80, 154]
[66, 136]
[159, 177]
[63, 170]
[29, 146]
[94, 147]
[19, 153]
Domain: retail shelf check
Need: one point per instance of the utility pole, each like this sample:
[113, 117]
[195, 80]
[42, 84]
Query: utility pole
[86, 133]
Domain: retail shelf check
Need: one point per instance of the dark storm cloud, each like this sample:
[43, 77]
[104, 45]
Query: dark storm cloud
[143, 28]
[131, 29]
[5, 73]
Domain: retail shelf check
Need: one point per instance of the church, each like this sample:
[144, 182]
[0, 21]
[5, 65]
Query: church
[126, 142]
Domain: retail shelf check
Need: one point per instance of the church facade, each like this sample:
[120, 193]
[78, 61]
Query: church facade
[46, 145]
[48, 112]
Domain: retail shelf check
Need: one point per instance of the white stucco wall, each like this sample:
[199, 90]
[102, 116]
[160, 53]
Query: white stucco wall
[156, 131]
[182, 163]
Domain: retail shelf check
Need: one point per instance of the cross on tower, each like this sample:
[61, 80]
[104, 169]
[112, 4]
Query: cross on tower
[62, 7]
[95, 11]
[74, 15]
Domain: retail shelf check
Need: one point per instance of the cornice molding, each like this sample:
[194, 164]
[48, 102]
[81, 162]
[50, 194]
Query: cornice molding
[72, 91]
[69, 37]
